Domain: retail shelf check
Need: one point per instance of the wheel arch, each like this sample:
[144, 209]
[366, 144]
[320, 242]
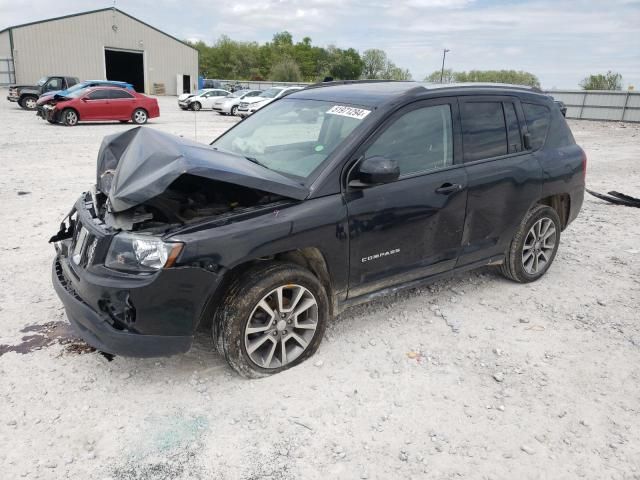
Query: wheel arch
[310, 258]
[561, 203]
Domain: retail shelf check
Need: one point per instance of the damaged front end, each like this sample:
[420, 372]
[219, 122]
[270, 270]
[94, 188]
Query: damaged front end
[117, 268]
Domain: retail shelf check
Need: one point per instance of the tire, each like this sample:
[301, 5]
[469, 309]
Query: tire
[530, 254]
[69, 117]
[28, 102]
[241, 309]
[196, 106]
[234, 109]
[139, 116]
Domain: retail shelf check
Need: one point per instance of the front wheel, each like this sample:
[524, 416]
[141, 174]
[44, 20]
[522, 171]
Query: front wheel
[196, 106]
[234, 110]
[139, 116]
[534, 246]
[29, 103]
[69, 117]
[272, 318]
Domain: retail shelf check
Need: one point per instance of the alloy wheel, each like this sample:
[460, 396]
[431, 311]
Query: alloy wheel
[539, 245]
[71, 118]
[281, 326]
[140, 116]
[30, 103]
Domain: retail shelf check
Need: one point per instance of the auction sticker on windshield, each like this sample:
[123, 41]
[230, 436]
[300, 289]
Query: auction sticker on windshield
[352, 112]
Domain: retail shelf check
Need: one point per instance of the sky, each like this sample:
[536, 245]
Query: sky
[560, 41]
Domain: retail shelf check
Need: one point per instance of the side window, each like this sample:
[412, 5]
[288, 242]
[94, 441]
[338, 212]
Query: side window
[420, 140]
[484, 132]
[53, 84]
[119, 94]
[98, 95]
[537, 118]
[513, 127]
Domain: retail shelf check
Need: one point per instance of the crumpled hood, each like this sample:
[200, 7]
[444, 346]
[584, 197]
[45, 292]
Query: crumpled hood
[141, 163]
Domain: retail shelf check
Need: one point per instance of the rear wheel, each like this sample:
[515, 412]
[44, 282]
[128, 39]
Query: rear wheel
[196, 106]
[139, 116]
[534, 246]
[69, 117]
[29, 102]
[272, 318]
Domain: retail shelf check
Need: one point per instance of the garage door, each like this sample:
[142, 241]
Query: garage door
[125, 66]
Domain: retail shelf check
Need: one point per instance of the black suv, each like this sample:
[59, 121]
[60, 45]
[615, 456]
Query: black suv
[27, 95]
[331, 196]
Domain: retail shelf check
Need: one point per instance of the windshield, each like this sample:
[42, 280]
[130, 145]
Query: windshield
[76, 93]
[292, 136]
[271, 92]
[75, 88]
[42, 80]
[238, 93]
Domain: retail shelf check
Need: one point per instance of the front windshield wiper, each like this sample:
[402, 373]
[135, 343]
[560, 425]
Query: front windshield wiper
[251, 159]
[257, 162]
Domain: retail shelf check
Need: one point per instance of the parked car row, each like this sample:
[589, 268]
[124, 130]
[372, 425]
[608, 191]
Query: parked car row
[241, 102]
[66, 100]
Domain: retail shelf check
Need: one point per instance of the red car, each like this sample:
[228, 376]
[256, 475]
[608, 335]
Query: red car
[101, 103]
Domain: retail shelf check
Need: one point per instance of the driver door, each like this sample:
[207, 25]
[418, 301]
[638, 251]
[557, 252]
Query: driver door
[412, 227]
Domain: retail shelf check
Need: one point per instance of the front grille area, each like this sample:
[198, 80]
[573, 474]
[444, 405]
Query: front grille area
[65, 283]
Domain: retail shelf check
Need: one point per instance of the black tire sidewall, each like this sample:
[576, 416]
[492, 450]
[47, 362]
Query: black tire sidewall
[195, 106]
[540, 212]
[23, 102]
[242, 298]
[234, 110]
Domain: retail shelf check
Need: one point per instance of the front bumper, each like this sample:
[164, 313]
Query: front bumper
[94, 329]
[138, 315]
[12, 99]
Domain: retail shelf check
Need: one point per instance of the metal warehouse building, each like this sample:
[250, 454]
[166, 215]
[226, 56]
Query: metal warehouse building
[99, 44]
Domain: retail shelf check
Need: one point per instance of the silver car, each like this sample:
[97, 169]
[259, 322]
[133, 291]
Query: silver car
[229, 105]
[250, 105]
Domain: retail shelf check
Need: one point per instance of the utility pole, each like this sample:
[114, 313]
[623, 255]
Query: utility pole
[444, 55]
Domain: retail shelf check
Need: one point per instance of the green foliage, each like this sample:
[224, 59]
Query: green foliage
[513, 77]
[279, 60]
[286, 70]
[377, 66]
[608, 81]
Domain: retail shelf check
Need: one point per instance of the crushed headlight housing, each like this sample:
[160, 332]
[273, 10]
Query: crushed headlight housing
[141, 253]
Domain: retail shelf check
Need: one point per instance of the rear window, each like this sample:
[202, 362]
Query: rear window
[119, 94]
[537, 118]
[484, 131]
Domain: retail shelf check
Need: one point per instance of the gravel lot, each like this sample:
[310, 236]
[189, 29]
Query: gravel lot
[475, 377]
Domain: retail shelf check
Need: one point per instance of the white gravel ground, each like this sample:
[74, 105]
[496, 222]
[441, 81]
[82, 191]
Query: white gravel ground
[474, 378]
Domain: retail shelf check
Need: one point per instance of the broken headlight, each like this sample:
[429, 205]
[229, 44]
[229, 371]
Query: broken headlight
[141, 253]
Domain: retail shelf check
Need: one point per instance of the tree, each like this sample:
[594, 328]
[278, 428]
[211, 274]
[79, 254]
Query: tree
[286, 70]
[608, 81]
[344, 64]
[374, 63]
[447, 77]
[486, 76]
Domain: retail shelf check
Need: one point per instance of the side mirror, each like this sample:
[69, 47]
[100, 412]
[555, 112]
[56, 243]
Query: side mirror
[377, 170]
[526, 140]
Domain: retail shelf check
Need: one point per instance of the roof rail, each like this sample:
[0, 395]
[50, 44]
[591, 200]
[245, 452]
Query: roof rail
[349, 82]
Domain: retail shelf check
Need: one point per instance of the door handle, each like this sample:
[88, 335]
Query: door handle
[448, 188]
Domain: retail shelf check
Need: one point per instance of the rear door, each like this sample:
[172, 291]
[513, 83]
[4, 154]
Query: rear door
[410, 228]
[95, 105]
[122, 103]
[504, 178]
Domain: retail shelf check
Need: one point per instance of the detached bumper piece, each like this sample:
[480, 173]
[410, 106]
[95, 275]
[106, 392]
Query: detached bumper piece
[94, 329]
[617, 198]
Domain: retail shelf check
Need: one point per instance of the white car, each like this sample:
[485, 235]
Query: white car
[229, 105]
[182, 99]
[246, 108]
[206, 100]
